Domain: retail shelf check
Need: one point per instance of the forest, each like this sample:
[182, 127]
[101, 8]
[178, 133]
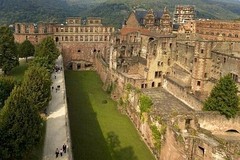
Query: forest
[113, 12]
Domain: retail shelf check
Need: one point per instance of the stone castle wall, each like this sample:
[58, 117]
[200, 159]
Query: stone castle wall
[183, 94]
[218, 30]
[217, 123]
[35, 33]
[73, 51]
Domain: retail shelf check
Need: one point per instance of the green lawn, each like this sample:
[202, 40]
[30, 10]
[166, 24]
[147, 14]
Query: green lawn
[18, 71]
[98, 130]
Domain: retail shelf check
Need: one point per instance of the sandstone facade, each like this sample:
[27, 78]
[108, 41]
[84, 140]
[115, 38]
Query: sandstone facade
[183, 13]
[177, 70]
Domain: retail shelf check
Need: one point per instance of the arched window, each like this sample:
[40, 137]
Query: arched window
[153, 84]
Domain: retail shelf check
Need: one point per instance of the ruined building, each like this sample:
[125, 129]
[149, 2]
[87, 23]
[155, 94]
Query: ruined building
[213, 29]
[79, 39]
[177, 70]
[183, 13]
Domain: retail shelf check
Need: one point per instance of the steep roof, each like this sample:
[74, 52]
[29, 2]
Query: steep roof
[140, 14]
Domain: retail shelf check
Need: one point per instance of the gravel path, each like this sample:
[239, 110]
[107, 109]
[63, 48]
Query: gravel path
[56, 128]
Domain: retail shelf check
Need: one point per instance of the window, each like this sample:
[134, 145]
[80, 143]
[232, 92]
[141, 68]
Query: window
[158, 74]
[234, 77]
[187, 123]
[66, 29]
[81, 38]
[198, 83]
[224, 60]
[202, 50]
[153, 84]
[145, 85]
[79, 50]
[195, 59]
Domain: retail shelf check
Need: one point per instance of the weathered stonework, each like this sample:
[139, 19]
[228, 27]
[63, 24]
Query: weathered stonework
[183, 13]
[177, 70]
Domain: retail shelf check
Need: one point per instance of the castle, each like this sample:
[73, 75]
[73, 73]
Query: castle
[177, 69]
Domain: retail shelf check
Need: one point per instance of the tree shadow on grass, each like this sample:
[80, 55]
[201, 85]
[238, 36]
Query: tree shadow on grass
[118, 152]
[88, 142]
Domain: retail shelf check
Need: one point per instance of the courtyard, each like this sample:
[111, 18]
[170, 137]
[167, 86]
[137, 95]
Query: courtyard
[98, 130]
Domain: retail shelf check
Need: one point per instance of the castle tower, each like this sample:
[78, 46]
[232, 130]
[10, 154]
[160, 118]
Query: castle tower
[149, 19]
[201, 68]
[165, 22]
[183, 13]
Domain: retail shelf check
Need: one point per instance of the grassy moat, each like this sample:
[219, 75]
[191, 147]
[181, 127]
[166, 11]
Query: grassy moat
[98, 130]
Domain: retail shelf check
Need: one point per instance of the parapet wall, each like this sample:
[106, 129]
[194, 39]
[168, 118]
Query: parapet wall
[183, 95]
[217, 123]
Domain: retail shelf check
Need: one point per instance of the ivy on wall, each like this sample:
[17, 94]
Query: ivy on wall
[145, 103]
[157, 135]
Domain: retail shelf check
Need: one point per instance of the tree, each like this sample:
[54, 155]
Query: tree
[8, 50]
[47, 48]
[26, 49]
[6, 86]
[42, 62]
[223, 97]
[37, 81]
[20, 125]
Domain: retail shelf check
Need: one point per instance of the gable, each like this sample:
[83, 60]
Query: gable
[132, 21]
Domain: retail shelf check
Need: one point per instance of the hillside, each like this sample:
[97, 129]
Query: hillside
[12, 11]
[115, 11]
[112, 11]
[220, 9]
